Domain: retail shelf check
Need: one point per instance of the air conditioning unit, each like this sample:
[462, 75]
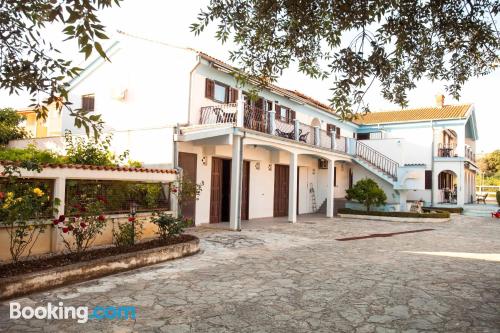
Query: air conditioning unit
[322, 163]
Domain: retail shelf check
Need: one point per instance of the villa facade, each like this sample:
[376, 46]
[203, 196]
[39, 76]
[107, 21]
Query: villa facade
[278, 154]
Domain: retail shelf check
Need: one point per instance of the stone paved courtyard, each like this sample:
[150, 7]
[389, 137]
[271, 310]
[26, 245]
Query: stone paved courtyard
[278, 277]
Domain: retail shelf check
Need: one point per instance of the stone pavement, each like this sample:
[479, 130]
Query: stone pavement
[277, 277]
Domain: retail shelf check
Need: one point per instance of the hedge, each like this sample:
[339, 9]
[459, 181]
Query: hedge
[436, 214]
[456, 210]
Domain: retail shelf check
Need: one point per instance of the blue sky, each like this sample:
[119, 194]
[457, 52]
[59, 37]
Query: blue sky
[169, 21]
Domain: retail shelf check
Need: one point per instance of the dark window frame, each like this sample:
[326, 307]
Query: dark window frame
[88, 102]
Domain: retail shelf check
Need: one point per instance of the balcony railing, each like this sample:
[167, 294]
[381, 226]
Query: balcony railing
[259, 120]
[377, 159]
[469, 154]
[446, 150]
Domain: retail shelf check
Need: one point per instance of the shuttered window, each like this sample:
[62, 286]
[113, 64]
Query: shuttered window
[233, 95]
[209, 88]
[337, 132]
[428, 179]
[88, 102]
[330, 128]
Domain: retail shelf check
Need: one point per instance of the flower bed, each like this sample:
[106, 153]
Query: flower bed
[429, 216]
[28, 276]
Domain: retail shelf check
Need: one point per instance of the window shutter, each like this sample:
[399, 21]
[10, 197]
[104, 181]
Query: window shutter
[292, 115]
[337, 132]
[277, 109]
[259, 104]
[428, 179]
[209, 88]
[233, 95]
[330, 127]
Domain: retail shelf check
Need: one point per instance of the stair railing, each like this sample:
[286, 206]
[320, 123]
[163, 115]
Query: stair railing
[377, 159]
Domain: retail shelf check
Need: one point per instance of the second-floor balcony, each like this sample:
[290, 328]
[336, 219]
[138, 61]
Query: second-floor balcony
[450, 150]
[263, 121]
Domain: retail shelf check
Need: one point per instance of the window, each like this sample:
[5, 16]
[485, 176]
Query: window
[88, 102]
[332, 128]
[220, 92]
[428, 179]
[363, 136]
[284, 114]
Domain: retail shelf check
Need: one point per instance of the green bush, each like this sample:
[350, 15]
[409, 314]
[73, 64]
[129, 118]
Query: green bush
[10, 128]
[168, 225]
[87, 151]
[32, 154]
[432, 214]
[498, 197]
[127, 233]
[367, 192]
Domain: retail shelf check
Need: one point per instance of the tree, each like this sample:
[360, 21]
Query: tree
[490, 164]
[367, 192]
[31, 63]
[10, 128]
[355, 43]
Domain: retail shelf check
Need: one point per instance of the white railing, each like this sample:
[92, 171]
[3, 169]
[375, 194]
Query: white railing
[218, 114]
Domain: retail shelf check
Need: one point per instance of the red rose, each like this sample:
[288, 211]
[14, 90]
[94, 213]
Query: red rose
[101, 218]
[65, 230]
[62, 218]
[174, 190]
[56, 222]
[83, 225]
[83, 209]
[131, 219]
[2, 195]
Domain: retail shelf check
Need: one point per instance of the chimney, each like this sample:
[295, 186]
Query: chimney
[440, 100]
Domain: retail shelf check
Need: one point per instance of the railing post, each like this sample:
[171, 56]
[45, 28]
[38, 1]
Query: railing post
[333, 139]
[272, 121]
[316, 136]
[296, 127]
[240, 112]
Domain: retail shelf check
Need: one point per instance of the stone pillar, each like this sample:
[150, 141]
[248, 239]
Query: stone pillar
[56, 244]
[316, 136]
[330, 193]
[234, 211]
[296, 128]
[272, 121]
[292, 186]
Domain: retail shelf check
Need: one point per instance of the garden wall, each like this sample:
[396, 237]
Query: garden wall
[50, 239]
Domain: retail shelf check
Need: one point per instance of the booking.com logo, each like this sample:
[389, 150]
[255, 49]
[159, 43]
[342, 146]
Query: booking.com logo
[81, 313]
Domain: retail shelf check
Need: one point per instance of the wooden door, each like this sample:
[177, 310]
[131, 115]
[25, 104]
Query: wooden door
[245, 190]
[187, 162]
[281, 179]
[216, 191]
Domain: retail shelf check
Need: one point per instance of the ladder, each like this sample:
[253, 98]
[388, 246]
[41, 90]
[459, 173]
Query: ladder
[313, 198]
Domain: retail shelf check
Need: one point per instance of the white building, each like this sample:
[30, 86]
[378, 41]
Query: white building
[281, 154]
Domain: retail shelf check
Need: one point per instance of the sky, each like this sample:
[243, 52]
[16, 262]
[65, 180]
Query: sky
[169, 21]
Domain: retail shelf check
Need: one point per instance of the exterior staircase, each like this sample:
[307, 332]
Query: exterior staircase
[376, 162]
[479, 210]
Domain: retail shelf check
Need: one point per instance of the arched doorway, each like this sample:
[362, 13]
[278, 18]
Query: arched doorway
[447, 186]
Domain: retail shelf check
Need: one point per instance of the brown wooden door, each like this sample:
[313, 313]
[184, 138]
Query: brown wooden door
[245, 190]
[187, 162]
[281, 179]
[216, 191]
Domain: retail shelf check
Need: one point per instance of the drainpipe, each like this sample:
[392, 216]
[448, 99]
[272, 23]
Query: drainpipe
[432, 165]
[240, 185]
[176, 166]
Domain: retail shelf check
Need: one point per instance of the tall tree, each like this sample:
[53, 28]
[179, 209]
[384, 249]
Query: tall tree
[490, 164]
[355, 42]
[29, 62]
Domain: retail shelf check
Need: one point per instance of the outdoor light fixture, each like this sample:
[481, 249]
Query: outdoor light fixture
[257, 165]
[270, 167]
[133, 212]
[204, 160]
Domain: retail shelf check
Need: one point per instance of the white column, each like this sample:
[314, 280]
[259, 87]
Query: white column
[332, 140]
[292, 187]
[240, 110]
[59, 193]
[316, 136]
[402, 200]
[272, 121]
[330, 193]
[296, 128]
[234, 211]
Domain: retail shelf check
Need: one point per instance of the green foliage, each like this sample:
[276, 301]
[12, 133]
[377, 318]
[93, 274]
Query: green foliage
[32, 154]
[23, 211]
[134, 164]
[448, 40]
[168, 225]
[456, 210]
[126, 234]
[185, 191]
[85, 223]
[10, 128]
[81, 150]
[30, 62]
[367, 192]
[436, 214]
[498, 197]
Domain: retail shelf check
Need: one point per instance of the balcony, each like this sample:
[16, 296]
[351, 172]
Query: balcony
[469, 154]
[259, 120]
[446, 150]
